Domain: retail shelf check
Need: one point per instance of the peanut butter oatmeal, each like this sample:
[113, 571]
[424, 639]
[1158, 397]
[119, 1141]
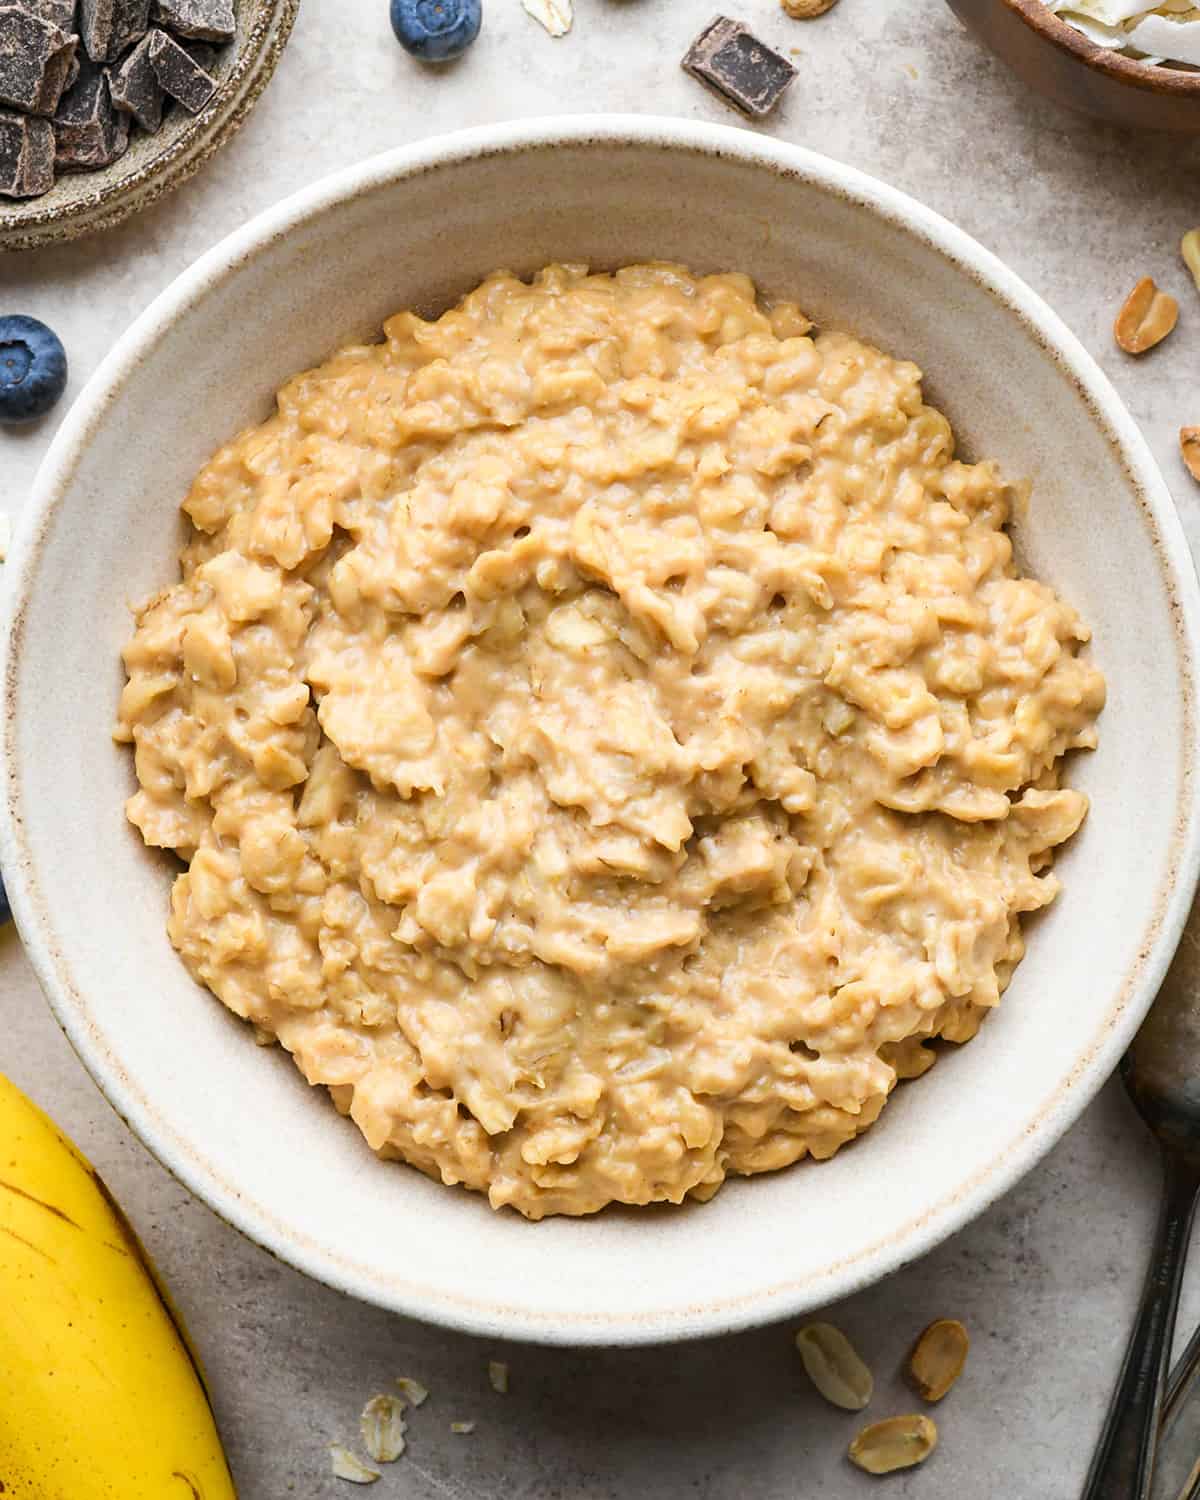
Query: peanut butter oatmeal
[607, 734]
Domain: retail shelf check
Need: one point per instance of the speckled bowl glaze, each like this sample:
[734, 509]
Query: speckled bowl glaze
[81, 203]
[416, 228]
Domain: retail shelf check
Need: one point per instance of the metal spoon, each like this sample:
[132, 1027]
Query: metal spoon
[1162, 1073]
[1177, 1466]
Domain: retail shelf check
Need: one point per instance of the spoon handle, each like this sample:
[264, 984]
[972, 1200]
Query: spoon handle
[1177, 1468]
[1124, 1463]
[1181, 1384]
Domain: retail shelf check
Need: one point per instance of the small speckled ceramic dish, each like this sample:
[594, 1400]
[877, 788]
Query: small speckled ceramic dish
[80, 203]
[416, 229]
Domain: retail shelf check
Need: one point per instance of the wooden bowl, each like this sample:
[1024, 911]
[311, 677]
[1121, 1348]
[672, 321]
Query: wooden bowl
[81, 203]
[1060, 62]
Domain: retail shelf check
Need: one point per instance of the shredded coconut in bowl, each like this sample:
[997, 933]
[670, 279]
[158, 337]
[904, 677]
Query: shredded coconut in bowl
[1168, 33]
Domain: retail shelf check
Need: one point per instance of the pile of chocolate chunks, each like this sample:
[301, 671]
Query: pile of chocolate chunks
[76, 76]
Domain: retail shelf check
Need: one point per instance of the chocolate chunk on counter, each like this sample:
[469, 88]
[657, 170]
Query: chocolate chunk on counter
[745, 72]
[26, 156]
[134, 86]
[35, 61]
[109, 26]
[199, 20]
[88, 131]
[179, 75]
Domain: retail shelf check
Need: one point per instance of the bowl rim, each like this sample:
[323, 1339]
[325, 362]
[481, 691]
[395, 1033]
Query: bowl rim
[1152, 77]
[964, 1199]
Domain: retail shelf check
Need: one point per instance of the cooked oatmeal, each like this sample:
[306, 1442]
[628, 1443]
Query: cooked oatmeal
[607, 735]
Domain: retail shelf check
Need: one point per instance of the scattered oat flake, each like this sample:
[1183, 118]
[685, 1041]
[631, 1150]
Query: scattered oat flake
[462, 1428]
[498, 1375]
[414, 1392]
[555, 15]
[346, 1466]
[1189, 248]
[383, 1427]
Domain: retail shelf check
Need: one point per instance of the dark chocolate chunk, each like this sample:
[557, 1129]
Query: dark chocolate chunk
[96, 27]
[134, 86]
[109, 26]
[88, 131]
[35, 59]
[203, 54]
[732, 62]
[26, 156]
[200, 20]
[178, 74]
[60, 13]
[131, 22]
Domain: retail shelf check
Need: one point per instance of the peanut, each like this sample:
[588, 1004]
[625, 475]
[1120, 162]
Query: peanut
[1146, 318]
[834, 1367]
[895, 1443]
[807, 10]
[938, 1358]
[1189, 446]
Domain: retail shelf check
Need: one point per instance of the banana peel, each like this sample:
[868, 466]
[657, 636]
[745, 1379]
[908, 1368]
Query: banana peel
[101, 1397]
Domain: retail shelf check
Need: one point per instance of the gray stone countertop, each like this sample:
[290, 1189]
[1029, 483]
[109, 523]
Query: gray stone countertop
[1047, 1280]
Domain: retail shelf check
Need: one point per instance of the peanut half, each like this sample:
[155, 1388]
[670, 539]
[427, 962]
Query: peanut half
[1146, 319]
[1189, 248]
[895, 1443]
[938, 1358]
[1189, 446]
[834, 1366]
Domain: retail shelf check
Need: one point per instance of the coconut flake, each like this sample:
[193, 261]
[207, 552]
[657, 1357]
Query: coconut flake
[1179, 41]
[1165, 33]
[1113, 37]
[555, 15]
[346, 1466]
[1107, 12]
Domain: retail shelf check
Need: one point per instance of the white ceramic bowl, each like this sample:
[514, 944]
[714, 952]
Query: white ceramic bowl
[418, 227]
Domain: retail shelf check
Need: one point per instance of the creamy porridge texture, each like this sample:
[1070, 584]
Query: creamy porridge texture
[607, 735]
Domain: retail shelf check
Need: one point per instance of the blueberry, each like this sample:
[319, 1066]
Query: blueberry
[33, 369]
[436, 30]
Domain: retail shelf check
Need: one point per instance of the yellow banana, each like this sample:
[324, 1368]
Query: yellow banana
[100, 1397]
